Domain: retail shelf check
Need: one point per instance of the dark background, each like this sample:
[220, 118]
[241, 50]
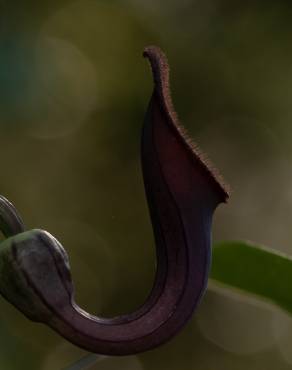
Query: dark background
[73, 92]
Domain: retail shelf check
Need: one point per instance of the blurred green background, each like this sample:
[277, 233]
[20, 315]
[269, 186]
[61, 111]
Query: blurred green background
[73, 92]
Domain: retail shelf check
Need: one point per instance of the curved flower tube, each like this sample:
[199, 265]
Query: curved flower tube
[182, 192]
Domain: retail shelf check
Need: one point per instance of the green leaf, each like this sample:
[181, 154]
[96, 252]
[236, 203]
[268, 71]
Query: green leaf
[255, 270]
[85, 362]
